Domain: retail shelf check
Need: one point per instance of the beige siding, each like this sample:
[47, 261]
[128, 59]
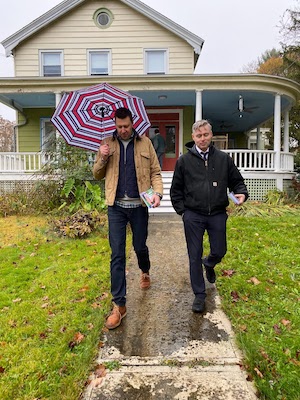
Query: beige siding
[127, 37]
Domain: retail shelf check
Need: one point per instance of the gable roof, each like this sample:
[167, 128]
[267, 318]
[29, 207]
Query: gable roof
[64, 7]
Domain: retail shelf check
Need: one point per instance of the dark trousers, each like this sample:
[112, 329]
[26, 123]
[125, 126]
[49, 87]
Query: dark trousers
[118, 218]
[194, 226]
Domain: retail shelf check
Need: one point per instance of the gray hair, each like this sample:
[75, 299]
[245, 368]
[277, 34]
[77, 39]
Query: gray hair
[198, 124]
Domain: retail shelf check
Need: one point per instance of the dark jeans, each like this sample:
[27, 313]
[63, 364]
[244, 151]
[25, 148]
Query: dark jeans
[194, 226]
[118, 218]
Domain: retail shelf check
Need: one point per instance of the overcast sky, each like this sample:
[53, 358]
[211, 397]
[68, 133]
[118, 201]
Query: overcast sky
[235, 32]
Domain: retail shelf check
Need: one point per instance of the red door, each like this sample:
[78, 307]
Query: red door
[168, 125]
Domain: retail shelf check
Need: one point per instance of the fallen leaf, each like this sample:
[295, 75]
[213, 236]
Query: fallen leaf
[235, 296]
[254, 280]
[43, 335]
[17, 300]
[100, 371]
[45, 305]
[258, 372]
[2, 370]
[243, 328]
[89, 243]
[245, 298]
[228, 272]
[63, 370]
[102, 297]
[90, 326]
[295, 362]
[285, 322]
[277, 329]
[83, 289]
[78, 337]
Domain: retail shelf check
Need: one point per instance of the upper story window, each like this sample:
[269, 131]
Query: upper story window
[51, 63]
[103, 18]
[99, 62]
[156, 61]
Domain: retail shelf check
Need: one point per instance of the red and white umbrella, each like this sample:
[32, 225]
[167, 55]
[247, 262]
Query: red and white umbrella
[85, 117]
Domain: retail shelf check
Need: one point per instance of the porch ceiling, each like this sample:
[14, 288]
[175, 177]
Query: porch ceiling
[220, 101]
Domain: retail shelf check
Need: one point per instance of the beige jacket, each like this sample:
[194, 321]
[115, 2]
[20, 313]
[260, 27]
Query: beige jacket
[146, 164]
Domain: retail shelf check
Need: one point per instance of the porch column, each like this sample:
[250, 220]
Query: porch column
[198, 104]
[57, 100]
[277, 139]
[286, 147]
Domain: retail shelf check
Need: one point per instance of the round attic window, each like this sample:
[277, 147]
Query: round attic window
[103, 18]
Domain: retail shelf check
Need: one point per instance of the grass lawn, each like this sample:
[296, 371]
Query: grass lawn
[54, 298]
[260, 290]
[53, 301]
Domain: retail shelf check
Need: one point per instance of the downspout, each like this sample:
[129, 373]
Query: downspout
[18, 125]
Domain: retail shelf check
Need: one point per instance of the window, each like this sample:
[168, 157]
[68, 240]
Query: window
[51, 63]
[156, 61]
[99, 62]
[48, 140]
[103, 18]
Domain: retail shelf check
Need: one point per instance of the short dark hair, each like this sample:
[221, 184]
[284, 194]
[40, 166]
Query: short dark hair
[156, 131]
[122, 113]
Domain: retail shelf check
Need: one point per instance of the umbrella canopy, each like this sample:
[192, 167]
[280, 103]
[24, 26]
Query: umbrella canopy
[85, 117]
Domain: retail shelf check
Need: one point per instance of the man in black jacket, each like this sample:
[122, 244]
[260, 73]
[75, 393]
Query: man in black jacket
[199, 194]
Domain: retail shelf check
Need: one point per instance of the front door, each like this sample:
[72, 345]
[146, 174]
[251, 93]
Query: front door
[168, 125]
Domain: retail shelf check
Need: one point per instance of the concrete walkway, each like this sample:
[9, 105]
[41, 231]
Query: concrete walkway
[163, 349]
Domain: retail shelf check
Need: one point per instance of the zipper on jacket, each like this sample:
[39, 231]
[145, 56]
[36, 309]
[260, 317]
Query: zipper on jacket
[206, 166]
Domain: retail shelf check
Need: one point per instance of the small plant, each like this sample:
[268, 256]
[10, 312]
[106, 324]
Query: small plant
[81, 195]
[275, 197]
[112, 365]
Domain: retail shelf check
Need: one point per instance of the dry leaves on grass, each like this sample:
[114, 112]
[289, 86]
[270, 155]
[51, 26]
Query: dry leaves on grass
[77, 339]
[254, 280]
[228, 272]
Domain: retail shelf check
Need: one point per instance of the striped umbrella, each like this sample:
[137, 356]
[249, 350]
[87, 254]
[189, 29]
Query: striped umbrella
[85, 117]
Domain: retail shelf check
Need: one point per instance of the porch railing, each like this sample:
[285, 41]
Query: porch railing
[245, 160]
[261, 160]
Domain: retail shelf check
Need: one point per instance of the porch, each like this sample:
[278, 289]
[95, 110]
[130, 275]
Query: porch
[263, 170]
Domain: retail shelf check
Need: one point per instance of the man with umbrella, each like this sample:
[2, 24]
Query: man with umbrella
[129, 164]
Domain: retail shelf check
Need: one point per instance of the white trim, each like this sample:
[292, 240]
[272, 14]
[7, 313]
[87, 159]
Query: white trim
[41, 60]
[166, 61]
[58, 11]
[109, 61]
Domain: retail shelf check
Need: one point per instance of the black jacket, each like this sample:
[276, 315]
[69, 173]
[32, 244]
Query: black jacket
[201, 186]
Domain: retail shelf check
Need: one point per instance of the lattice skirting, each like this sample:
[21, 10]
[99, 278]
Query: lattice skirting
[258, 188]
[10, 186]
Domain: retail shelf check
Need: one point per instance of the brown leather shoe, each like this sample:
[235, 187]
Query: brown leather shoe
[145, 281]
[115, 318]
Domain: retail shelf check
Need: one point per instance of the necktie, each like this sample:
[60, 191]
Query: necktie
[204, 155]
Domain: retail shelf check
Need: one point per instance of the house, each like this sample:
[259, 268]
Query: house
[80, 43]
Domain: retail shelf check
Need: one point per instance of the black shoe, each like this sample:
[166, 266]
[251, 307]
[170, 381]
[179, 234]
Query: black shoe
[210, 274]
[198, 305]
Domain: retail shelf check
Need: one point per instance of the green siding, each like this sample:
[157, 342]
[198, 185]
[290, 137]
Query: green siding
[29, 135]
